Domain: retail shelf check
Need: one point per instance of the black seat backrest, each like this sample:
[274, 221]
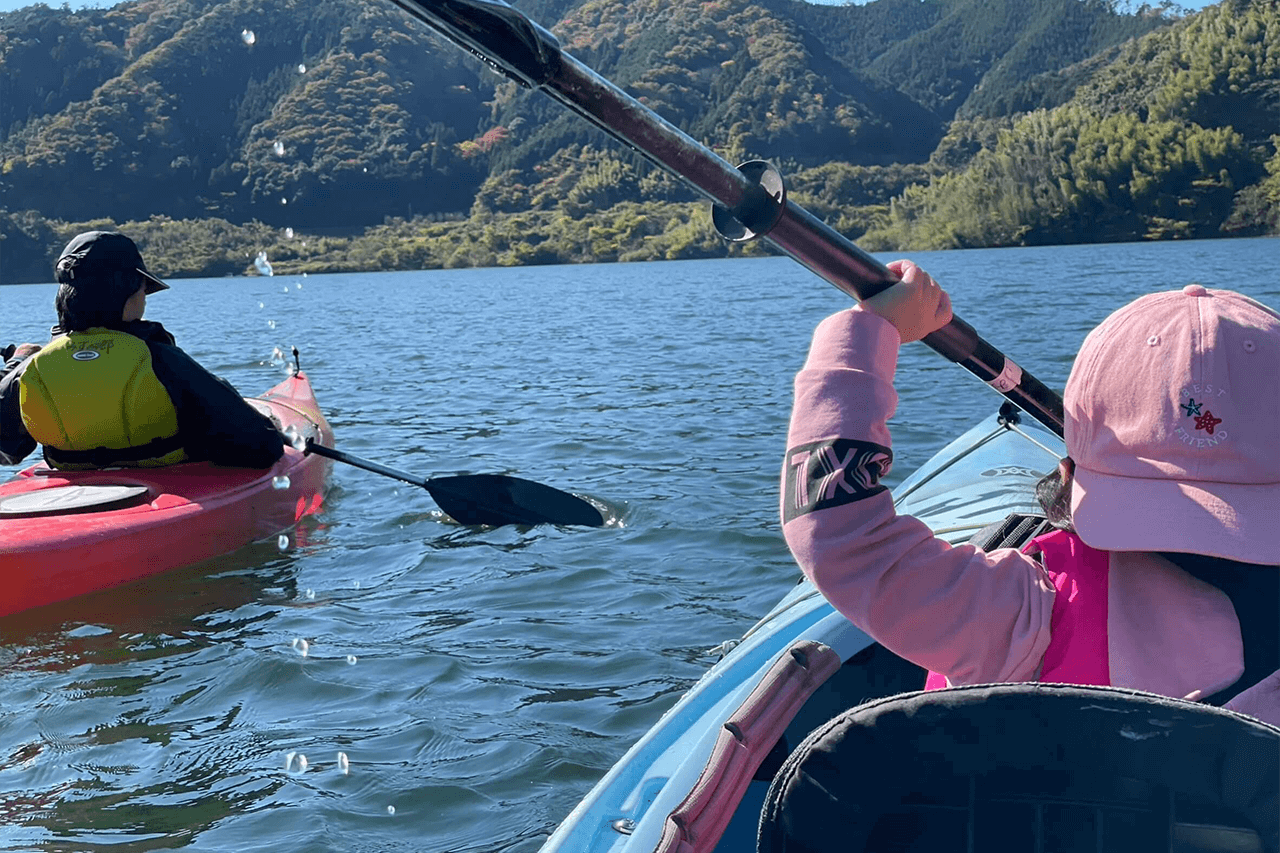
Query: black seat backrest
[1029, 767]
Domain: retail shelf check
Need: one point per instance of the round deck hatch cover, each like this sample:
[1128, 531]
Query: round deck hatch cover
[69, 499]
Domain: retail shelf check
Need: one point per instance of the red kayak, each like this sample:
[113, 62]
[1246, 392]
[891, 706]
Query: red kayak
[67, 533]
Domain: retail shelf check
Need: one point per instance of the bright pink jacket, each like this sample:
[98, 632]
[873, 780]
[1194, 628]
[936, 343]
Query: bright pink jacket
[972, 616]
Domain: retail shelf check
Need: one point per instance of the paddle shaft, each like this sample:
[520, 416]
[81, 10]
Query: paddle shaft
[366, 464]
[515, 46]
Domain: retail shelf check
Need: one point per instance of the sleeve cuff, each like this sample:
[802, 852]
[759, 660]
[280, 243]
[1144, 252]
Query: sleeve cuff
[855, 338]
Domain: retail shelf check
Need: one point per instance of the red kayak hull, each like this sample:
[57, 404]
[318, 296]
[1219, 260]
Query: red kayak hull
[191, 512]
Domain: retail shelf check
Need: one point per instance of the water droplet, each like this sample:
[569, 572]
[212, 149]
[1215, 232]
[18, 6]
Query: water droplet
[278, 147]
[302, 69]
[288, 233]
[298, 286]
[284, 289]
[283, 542]
[261, 306]
[351, 660]
[311, 594]
[248, 36]
[302, 763]
[296, 441]
[277, 354]
[365, 169]
[302, 646]
[262, 264]
[356, 585]
[288, 761]
[391, 810]
[344, 765]
[284, 200]
[271, 324]
[280, 481]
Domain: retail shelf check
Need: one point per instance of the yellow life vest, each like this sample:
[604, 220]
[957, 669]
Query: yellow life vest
[93, 400]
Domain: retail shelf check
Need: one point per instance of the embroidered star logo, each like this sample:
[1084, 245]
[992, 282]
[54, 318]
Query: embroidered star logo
[1207, 422]
[1191, 406]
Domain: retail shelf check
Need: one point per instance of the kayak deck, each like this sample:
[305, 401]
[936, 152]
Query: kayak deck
[188, 513]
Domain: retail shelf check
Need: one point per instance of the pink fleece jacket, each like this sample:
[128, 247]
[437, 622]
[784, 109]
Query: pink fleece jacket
[973, 616]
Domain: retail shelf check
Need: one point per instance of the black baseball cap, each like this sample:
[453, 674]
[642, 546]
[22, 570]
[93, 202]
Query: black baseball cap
[99, 253]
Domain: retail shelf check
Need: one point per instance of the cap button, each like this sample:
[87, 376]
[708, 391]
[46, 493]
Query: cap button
[1195, 290]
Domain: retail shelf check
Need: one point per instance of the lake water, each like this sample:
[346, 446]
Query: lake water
[481, 681]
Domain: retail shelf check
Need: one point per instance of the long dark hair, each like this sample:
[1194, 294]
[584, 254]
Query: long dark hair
[93, 300]
[1254, 590]
[1054, 494]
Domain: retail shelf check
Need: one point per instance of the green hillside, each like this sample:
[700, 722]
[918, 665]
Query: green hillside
[1171, 139]
[347, 136]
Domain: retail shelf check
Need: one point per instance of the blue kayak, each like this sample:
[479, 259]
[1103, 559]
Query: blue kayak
[700, 778]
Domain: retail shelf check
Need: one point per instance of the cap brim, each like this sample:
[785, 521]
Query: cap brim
[154, 285]
[1229, 520]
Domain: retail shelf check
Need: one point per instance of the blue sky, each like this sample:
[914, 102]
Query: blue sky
[8, 5]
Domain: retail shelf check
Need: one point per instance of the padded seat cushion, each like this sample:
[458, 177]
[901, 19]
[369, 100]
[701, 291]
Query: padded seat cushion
[945, 753]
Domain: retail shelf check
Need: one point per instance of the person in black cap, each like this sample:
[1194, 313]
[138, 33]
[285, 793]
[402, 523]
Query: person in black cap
[111, 389]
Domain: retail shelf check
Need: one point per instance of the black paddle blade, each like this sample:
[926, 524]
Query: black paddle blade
[496, 499]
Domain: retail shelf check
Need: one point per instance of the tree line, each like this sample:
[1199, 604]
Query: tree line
[217, 128]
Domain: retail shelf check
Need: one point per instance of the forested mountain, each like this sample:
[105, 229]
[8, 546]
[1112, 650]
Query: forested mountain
[965, 57]
[235, 109]
[1173, 138]
[347, 118]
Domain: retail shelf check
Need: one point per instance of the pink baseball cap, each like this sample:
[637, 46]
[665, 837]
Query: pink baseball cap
[1173, 420]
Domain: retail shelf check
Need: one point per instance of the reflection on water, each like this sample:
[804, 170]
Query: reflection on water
[462, 687]
[103, 693]
[178, 603]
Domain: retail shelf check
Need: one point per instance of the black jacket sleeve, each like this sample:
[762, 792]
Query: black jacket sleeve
[214, 421]
[16, 443]
[149, 330]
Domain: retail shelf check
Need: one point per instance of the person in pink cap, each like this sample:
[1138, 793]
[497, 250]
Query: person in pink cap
[1162, 572]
